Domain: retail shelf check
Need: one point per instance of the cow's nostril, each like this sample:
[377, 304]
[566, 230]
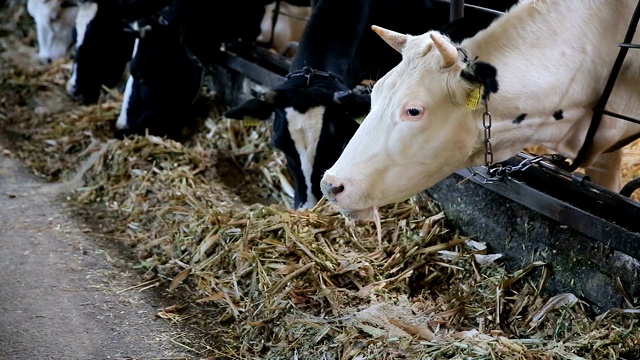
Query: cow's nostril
[330, 190]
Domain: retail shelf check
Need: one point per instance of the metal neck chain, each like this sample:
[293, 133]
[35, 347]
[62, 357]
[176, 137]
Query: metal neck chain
[486, 124]
[308, 72]
[497, 172]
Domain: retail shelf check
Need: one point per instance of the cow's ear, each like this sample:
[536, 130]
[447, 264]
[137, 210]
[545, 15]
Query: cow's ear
[253, 109]
[137, 32]
[360, 105]
[482, 73]
[354, 103]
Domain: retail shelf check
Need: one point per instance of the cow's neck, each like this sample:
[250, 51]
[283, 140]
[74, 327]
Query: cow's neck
[553, 58]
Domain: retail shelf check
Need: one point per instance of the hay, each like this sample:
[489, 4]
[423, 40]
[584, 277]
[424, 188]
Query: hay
[208, 218]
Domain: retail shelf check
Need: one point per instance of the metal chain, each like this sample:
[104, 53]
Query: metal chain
[488, 148]
[497, 173]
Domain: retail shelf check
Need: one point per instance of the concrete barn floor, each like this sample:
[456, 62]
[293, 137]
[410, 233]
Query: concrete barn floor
[59, 290]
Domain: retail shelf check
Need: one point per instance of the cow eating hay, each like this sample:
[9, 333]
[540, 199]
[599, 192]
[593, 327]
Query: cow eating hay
[541, 69]
[270, 283]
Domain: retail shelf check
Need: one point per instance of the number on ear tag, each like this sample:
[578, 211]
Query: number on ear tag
[474, 97]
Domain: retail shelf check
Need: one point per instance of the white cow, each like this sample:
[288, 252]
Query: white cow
[54, 20]
[552, 58]
[290, 25]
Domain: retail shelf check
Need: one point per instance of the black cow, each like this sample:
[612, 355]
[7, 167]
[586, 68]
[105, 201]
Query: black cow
[171, 57]
[315, 109]
[104, 43]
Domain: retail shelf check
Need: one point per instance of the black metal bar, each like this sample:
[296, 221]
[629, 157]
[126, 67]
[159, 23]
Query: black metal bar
[456, 9]
[631, 46]
[253, 71]
[488, 10]
[619, 116]
[491, 11]
[613, 76]
[630, 187]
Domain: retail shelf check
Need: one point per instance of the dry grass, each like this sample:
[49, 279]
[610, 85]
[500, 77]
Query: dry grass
[207, 217]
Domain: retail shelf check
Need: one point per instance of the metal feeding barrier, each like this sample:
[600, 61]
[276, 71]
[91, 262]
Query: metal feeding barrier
[550, 186]
[546, 185]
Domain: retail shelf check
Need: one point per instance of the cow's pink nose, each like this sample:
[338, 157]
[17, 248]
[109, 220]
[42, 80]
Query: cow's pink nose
[331, 187]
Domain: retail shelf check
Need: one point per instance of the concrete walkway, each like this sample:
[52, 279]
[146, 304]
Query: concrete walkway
[59, 288]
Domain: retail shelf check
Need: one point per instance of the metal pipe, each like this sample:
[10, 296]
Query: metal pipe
[456, 9]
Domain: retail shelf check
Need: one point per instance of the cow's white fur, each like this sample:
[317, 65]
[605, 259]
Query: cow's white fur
[86, 12]
[549, 54]
[288, 29]
[305, 132]
[121, 123]
[54, 27]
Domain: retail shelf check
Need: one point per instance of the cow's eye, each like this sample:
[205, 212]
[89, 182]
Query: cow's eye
[414, 112]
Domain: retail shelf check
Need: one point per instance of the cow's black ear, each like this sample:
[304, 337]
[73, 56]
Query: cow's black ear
[253, 108]
[482, 73]
[341, 97]
[358, 105]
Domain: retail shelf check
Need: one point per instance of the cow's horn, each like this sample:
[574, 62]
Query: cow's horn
[395, 39]
[448, 52]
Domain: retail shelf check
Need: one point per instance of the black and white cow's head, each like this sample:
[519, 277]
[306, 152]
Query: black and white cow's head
[314, 116]
[54, 26]
[104, 45]
[165, 80]
[170, 60]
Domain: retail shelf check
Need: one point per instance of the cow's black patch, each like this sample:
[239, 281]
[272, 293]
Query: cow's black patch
[482, 73]
[558, 115]
[519, 119]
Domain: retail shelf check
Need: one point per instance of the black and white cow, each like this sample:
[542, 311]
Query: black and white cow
[170, 60]
[315, 109]
[104, 43]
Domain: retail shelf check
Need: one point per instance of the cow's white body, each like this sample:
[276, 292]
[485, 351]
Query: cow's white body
[54, 20]
[289, 26]
[550, 55]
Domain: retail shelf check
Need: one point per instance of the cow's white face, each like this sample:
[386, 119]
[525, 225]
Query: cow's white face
[305, 132]
[86, 13]
[417, 132]
[54, 20]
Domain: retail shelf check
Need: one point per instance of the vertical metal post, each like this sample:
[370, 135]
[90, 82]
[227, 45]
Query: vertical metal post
[456, 9]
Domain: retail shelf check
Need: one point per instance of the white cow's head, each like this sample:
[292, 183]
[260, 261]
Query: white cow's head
[54, 20]
[419, 129]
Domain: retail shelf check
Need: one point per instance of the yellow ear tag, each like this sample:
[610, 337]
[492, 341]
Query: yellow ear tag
[474, 97]
[247, 121]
